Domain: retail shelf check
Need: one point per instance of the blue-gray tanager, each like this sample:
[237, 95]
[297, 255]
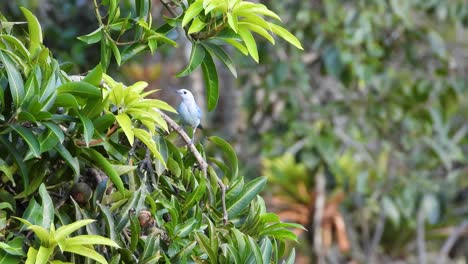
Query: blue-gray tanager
[188, 110]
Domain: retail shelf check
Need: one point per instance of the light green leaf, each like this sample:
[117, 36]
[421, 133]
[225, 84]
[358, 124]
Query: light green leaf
[210, 76]
[44, 254]
[126, 124]
[86, 252]
[193, 10]
[32, 255]
[64, 231]
[196, 194]
[146, 138]
[232, 21]
[35, 31]
[236, 44]
[250, 191]
[286, 35]
[30, 139]
[94, 77]
[14, 79]
[249, 43]
[196, 26]
[257, 29]
[196, 58]
[90, 240]
[17, 44]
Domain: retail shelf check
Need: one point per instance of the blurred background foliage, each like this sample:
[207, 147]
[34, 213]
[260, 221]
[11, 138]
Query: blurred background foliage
[363, 135]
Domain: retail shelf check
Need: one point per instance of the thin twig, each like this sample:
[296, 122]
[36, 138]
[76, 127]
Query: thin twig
[201, 162]
[319, 207]
[420, 237]
[379, 229]
[450, 242]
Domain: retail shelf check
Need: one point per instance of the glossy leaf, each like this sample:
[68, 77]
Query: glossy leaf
[250, 191]
[14, 78]
[230, 154]
[194, 9]
[35, 31]
[196, 58]
[210, 76]
[29, 138]
[105, 166]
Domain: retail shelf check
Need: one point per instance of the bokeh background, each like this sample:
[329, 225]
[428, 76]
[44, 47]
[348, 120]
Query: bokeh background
[363, 135]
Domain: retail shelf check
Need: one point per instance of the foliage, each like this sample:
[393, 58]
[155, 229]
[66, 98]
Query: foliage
[377, 105]
[102, 159]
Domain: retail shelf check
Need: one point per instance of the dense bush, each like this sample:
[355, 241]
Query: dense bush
[91, 168]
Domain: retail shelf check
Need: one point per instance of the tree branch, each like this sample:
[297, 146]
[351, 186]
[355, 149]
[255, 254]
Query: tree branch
[201, 162]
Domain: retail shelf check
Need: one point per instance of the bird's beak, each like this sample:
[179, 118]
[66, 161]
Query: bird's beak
[178, 92]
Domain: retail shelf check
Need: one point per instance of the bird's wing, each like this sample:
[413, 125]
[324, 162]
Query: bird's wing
[199, 112]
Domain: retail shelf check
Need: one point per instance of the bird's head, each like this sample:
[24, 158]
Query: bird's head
[185, 94]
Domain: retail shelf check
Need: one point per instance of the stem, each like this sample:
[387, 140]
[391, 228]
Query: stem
[201, 162]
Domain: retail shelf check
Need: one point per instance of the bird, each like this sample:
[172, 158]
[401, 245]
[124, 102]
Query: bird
[189, 111]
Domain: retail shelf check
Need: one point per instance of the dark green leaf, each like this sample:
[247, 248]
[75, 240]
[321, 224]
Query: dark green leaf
[14, 79]
[221, 55]
[210, 76]
[94, 77]
[250, 191]
[82, 89]
[92, 37]
[47, 207]
[105, 166]
[30, 139]
[196, 58]
[229, 152]
[72, 161]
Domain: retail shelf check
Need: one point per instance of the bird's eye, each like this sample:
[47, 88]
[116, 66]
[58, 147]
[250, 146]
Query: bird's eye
[185, 92]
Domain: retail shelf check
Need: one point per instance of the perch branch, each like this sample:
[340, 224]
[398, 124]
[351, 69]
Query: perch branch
[201, 162]
[450, 242]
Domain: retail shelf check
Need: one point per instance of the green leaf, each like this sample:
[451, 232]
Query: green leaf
[32, 254]
[88, 128]
[249, 43]
[86, 252]
[14, 79]
[292, 258]
[196, 194]
[221, 55]
[286, 35]
[193, 10]
[132, 50]
[105, 53]
[126, 124]
[196, 58]
[47, 207]
[23, 169]
[90, 240]
[391, 211]
[116, 52]
[230, 153]
[56, 130]
[196, 26]
[72, 161]
[66, 100]
[146, 138]
[105, 166]
[266, 248]
[256, 250]
[232, 21]
[92, 37]
[82, 89]
[66, 230]
[250, 191]
[94, 77]
[183, 229]
[135, 230]
[44, 254]
[233, 42]
[210, 77]
[30, 139]
[204, 243]
[17, 44]
[257, 29]
[35, 31]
